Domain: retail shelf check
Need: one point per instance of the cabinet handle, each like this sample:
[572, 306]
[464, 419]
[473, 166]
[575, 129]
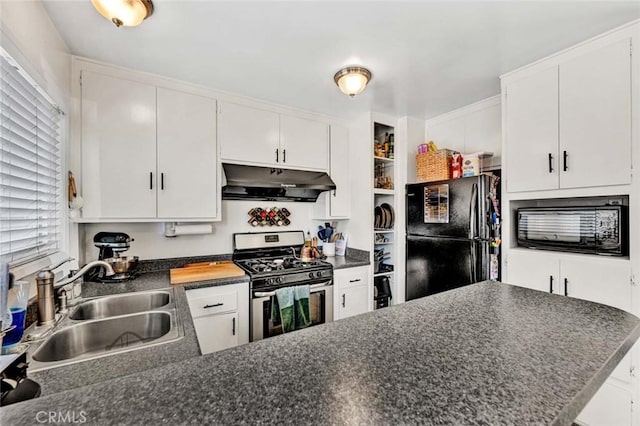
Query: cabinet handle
[162, 181]
[550, 283]
[277, 155]
[215, 305]
[150, 180]
[284, 155]
[564, 160]
[334, 192]
[550, 163]
[566, 290]
[344, 300]
[233, 326]
[355, 281]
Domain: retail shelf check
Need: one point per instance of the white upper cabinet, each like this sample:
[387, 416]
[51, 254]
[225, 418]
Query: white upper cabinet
[304, 143]
[254, 136]
[595, 117]
[118, 147]
[249, 134]
[187, 155]
[569, 125]
[337, 204]
[532, 132]
[147, 152]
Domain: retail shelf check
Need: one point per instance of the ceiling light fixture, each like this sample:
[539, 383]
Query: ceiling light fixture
[128, 13]
[352, 80]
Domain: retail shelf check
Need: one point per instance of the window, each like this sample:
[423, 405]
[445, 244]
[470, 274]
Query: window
[30, 167]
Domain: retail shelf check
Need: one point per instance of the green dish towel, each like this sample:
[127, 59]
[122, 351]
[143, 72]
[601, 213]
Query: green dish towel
[285, 303]
[292, 304]
[301, 300]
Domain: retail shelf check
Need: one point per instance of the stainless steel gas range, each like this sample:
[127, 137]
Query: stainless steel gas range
[272, 260]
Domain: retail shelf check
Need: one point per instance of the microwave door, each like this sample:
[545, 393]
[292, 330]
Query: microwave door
[568, 230]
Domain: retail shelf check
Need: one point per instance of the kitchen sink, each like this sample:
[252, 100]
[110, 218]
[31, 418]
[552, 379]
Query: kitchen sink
[107, 326]
[130, 303]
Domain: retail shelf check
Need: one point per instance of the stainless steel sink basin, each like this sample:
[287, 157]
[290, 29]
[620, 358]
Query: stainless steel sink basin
[107, 326]
[111, 306]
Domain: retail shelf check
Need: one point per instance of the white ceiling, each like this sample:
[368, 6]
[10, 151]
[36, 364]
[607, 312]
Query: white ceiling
[426, 58]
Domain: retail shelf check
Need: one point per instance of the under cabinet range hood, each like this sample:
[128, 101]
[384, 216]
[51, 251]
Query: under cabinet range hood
[273, 184]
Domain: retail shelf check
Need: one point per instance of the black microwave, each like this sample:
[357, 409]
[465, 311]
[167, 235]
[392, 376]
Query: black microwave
[594, 230]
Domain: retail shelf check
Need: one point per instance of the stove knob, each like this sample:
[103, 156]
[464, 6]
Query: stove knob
[310, 274]
[319, 274]
[279, 280]
[270, 281]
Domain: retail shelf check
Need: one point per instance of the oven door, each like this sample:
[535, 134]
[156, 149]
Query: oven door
[262, 323]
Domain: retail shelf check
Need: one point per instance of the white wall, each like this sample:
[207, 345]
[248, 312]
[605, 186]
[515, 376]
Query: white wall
[29, 36]
[150, 242]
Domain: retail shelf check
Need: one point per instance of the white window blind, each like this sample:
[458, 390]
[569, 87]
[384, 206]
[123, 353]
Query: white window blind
[30, 167]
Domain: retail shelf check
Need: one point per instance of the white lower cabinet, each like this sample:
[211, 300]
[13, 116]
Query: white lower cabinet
[352, 290]
[610, 406]
[220, 316]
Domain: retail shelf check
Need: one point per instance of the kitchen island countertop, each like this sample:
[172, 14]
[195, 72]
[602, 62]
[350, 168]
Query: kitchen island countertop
[488, 353]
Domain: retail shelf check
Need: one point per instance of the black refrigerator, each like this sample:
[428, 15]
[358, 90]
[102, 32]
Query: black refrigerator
[450, 228]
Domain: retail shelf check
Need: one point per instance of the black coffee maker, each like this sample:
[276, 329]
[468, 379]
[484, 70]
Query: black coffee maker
[112, 245]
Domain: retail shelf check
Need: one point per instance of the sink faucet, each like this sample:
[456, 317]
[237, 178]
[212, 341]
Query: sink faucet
[47, 289]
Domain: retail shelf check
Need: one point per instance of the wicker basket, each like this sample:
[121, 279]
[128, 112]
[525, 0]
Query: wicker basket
[432, 166]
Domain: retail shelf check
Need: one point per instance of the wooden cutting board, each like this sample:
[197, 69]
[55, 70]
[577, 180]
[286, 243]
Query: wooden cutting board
[204, 272]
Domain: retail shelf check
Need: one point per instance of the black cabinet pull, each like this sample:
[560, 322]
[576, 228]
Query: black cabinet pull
[150, 180]
[334, 192]
[550, 283]
[550, 163]
[344, 300]
[162, 181]
[564, 160]
[215, 305]
[284, 155]
[566, 291]
[277, 155]
[355, 281]
[233, 327]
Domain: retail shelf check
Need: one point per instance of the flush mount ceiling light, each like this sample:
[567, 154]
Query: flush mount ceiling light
[352, 80]
[128, 13]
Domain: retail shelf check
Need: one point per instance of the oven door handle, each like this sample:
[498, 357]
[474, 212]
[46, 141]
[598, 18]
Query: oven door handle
[273, 293]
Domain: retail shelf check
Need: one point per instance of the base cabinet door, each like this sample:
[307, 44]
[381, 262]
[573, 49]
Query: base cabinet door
[351, 293]
[610, 406]
[352, 301]
[534, 270]
[217, 332]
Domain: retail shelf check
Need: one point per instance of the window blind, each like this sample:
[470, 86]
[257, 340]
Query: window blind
[30, 167]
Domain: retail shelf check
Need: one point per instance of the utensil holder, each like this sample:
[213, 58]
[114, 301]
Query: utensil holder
[329, 249]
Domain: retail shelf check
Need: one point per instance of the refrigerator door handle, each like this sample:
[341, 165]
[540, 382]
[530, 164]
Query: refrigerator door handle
[473, 261]
[473, 209]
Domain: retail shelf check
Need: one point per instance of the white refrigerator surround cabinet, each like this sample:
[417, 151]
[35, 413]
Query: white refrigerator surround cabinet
[272, 138]
[147, 152]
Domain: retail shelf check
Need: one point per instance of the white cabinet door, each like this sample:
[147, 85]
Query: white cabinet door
[532, 132]
[187, 155]
[535, 270]
[249, 134]
[595, 117]
[352, 301]
[610, 406]
[340, 199]
[304, 143]
[118, 147]
[605, 281]
[217, 332]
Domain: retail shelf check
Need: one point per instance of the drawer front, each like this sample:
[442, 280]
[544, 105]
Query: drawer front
[206, 303]
[351, 277]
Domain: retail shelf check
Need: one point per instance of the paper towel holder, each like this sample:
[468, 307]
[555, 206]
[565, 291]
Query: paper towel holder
[173, 229]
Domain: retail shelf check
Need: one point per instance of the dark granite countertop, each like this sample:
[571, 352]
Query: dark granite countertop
[98, 370]
[353, 258]
[488, 353]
